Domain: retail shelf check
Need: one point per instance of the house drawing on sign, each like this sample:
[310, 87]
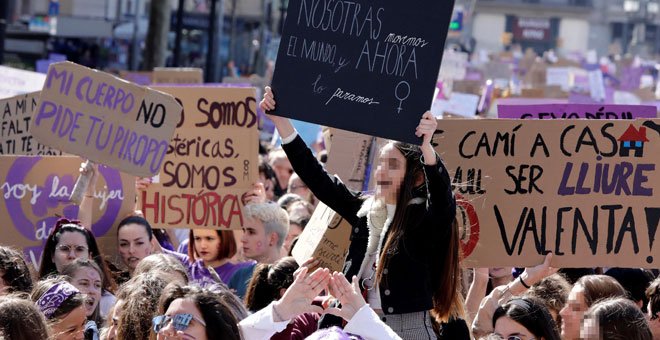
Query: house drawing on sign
[632, 140]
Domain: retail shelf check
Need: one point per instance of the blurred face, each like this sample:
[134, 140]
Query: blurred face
[296, 186]
[283, 170]
[572, 313]
[88, 282]
[506, 327]
[113, 320]
[71, 326]
[134, 244]
[389, 173]
[294, 231]
[207, 244]
[195, 329]
[72, 245]
[590, 329]
[268, 186]
[254, 241]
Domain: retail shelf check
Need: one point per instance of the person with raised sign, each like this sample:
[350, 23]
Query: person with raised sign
[404, 243]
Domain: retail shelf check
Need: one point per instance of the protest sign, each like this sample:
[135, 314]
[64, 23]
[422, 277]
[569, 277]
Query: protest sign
[575, 111]
[582, 189]
[140, 78]
[177, 75]
[462, 104]
[105, 119]
[15, 138]
[350, 156]
[361, 66]
[326, 238]
[14, 81]
[211, 161]
[35, 190]
[454, 65]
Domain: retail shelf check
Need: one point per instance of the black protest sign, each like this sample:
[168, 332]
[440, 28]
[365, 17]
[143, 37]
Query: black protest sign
[364, 66]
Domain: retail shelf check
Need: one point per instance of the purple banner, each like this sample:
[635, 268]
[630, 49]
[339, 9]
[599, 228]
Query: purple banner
[576, 111]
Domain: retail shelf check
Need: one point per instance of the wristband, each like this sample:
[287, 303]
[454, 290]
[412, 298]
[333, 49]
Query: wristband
[523, 282]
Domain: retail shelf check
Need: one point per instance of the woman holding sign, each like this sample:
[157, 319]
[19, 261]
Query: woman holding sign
[404, 243]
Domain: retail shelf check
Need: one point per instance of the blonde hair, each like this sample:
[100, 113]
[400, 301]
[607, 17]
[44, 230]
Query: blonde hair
[274, 218]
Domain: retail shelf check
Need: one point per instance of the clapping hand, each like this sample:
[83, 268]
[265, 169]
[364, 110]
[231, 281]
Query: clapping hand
[348, 294]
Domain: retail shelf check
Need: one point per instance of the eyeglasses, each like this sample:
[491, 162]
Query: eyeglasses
[68, 248]
[515, 337]
[180, 322]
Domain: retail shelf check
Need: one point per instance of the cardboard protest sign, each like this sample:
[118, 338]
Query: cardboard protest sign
[140, 78]
[177, 75]
[14, 81]
[326, 238]
[211, 162]
[462, 104]
[361, 66]
[105, 119]
[585, 190]
[350, 156]
[15, 116]
[575, 111]
[35, 190]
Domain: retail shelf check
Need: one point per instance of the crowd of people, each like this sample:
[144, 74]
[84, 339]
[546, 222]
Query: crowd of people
[402, 277]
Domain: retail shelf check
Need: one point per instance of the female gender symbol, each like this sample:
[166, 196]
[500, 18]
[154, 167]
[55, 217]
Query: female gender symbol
[396, 93]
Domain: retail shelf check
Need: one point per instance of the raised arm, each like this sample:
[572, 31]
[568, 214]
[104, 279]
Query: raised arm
[327, 188]
[85, 208]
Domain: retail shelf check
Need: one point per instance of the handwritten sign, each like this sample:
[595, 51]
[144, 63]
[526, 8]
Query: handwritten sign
[585, 190]
[211, 161]
[454, 65]
[575, 111]
[177, 75]
[15, 138]
[350, 156]
[105, 119]
[361, 66]
[462, 104]
[36, 189]
[14, 81]
[326, 238]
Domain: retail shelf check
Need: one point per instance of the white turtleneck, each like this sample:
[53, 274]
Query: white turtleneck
[373, 295]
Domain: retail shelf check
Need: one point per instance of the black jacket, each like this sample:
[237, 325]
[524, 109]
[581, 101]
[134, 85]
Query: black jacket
[406, 285]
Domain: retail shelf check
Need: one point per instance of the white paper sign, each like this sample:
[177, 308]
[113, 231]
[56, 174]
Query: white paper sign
[597, 85]
[454, 65]
[462, 104]
[14, 81]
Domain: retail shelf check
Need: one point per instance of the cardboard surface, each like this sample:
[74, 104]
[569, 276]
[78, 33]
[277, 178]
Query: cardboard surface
[105, 119]
[15, 137]
[326, 238]
[361, 66]
[588, 111]
[573, 187]
[36, 189]
[177, 75]
[211, 162]
[349, 157]
[14, 81]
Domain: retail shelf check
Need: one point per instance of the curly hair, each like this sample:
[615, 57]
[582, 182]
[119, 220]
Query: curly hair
[221, 323]
[552, 290]
[140, 296]
[15, 272]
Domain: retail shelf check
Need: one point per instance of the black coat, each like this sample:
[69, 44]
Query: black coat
[406, 285]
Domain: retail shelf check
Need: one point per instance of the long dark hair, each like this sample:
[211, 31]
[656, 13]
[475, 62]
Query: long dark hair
[62, 226]
[221, 323]
[532, 314]
[445, 268]
[139, 221]
[266, 282]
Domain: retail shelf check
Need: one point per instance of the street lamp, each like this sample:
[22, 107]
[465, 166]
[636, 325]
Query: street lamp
[640, 12]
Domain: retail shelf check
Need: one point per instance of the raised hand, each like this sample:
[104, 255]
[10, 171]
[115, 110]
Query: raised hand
[255, 195]
[348, 294]
[299, 296]
[426, 128]
[538, 273]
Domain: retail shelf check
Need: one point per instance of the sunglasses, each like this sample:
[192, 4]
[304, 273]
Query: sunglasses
[180, 322]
